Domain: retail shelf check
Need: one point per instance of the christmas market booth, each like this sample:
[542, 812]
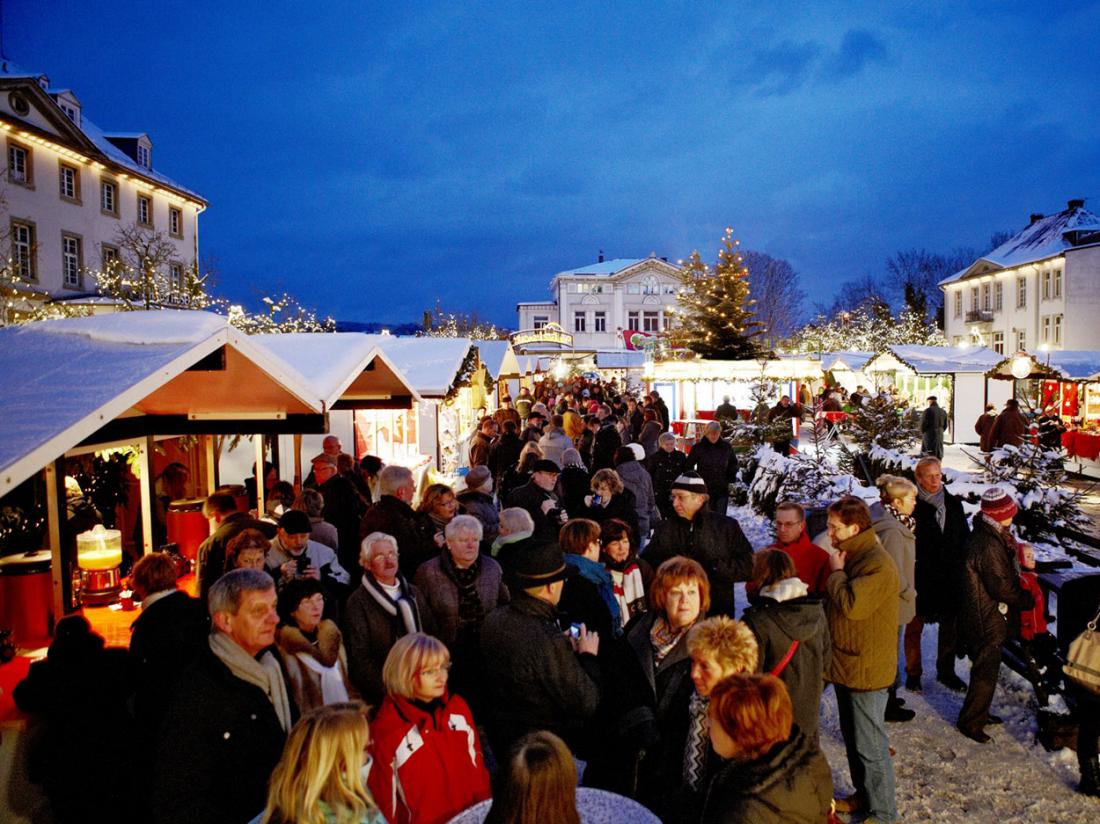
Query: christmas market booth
[503, 367]
[123, 390]
[693, 389]
[370, 402]
[955, 376]
[1069, 381]
[846, 368]
[453, 386]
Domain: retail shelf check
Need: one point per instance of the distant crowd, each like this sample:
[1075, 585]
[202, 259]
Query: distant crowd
[570, 609]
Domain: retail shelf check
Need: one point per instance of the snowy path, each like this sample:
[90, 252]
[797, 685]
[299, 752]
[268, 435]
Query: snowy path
[942, 776]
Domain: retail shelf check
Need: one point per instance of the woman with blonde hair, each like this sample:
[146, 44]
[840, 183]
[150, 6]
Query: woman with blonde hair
[319, 779]
[438, 506]
[428, 764]
[893, 522]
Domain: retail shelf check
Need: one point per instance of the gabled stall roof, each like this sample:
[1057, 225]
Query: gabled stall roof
[498, 357]
[66, 380]
[935, 360]
[431, 365]
[340, 365]
[853, 360]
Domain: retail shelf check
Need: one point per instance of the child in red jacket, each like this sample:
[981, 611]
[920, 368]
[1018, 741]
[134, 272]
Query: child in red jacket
[1036, 642]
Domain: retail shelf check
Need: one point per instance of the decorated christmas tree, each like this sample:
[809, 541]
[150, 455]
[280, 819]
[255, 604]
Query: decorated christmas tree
[716, 315]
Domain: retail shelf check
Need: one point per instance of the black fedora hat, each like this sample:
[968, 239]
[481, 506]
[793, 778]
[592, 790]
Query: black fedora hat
[538, 564]
[546, 465]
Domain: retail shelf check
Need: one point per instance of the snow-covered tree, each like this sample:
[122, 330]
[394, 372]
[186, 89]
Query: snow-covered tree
[439, 323]
[758, 429]
[1038, 475]
[716, 312]
[284, 314]
[882, 421]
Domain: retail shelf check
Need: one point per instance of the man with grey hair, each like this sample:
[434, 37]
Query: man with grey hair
[460, 586]
[516, 524]
[393, 514]
[665, 466]
[712, 457]
[383, 608]
[227, 722]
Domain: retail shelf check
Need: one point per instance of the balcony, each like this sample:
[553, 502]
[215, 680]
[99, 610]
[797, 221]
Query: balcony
[979, 316]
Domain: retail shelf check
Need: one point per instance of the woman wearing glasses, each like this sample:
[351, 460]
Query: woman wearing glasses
[428, 764]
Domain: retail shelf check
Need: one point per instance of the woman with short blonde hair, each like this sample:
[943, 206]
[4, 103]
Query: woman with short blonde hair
[440, 771]
[319, 780]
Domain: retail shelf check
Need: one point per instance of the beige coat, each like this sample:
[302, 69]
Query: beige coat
[862, 609]
[901, 545]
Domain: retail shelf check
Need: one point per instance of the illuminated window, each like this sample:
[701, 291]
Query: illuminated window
[1056, 288]
[175, 276]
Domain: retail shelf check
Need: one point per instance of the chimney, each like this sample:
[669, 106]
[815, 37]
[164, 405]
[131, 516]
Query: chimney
[1035, 218]
[1077, 204]
[600, 258]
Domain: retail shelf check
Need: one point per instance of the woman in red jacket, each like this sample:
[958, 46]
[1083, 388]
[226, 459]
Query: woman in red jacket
[428, 764]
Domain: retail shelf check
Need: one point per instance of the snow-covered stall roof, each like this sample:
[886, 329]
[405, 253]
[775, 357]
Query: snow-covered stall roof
[1045, 238]
[431, 365]
[852, 360]
[620, 359]
[66, 379]
[332, 362]
[498, 357]
[786, 369]
[934, 360]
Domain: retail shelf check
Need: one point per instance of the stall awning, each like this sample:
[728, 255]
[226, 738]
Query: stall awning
[346, 370]
[124, 375]
[1064, 364]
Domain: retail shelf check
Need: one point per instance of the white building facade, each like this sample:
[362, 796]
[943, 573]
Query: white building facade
[69, 188]
[598, 303]
[1038, 290]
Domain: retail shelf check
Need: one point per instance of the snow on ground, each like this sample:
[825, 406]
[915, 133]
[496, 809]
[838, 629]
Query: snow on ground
[942, 776]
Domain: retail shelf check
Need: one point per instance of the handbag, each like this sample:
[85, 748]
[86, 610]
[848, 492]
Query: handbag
[1083, 661]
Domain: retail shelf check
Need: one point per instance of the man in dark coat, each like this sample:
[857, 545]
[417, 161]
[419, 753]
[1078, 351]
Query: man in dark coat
[607, 441]
[227, 721]
[221, 509]
[712, 538]
[1051, 428]
[343, 507]
[726, 411]
[942, 532]
[933, 424]
[538, 678]
[991, 607]
[662, 410]
[1010, 427]
[381, 609]
[784, 412]
[393, 515]
[665, 466]
[538, 498]
[984, 427]
[504, 453]
[712, 457]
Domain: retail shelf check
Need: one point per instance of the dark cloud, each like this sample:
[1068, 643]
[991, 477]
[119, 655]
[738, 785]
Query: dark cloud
[859, 49]
[781, 69]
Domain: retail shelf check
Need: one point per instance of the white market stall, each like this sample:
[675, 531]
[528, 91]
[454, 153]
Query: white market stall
[503, 367]
[955, 376]
[846, 368]
[690, 387]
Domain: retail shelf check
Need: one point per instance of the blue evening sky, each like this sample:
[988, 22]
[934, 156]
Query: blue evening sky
[373, 157]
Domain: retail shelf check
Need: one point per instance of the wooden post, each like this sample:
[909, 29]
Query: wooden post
[297, 463]
[258, 442]
[146, 483]
[211, 465]
[60, 572]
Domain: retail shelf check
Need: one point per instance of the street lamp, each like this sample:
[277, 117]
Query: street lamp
[1021, 365]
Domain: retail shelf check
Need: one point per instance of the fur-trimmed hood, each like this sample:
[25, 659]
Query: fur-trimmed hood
[292, 641]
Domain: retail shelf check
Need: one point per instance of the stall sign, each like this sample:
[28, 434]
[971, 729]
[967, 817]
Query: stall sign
[550, 333]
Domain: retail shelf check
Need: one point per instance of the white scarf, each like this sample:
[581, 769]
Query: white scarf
[333, 690]
[409, 616]
[264, 673]
[786, 589]
[628, 588]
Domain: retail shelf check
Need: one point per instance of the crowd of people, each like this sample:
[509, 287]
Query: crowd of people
[569, 611]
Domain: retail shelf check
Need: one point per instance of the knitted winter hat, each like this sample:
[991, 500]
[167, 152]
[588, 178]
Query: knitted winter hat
[638, 450]
[998, 504]
[690, 482]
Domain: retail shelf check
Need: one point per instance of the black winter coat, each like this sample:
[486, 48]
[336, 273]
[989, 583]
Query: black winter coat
[941, 556]
[776, 624]
[530, 497]
[574, 483]
[607, 442]
[716, 465]
[393, 516]
[991, 578]
[504, 454]
[210, 559]
[220, 741]
[535, 681]
[715, 541]
[664, 468]
[484, 508]
[344, 510]
[650, 705]
[790, 784]
[622, 506]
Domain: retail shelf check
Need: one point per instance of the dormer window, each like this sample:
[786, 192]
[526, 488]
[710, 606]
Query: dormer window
[71, 113]
[144, 154]
[67, 102]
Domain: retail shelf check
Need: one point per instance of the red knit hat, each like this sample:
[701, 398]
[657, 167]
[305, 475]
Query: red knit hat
[998, 504]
